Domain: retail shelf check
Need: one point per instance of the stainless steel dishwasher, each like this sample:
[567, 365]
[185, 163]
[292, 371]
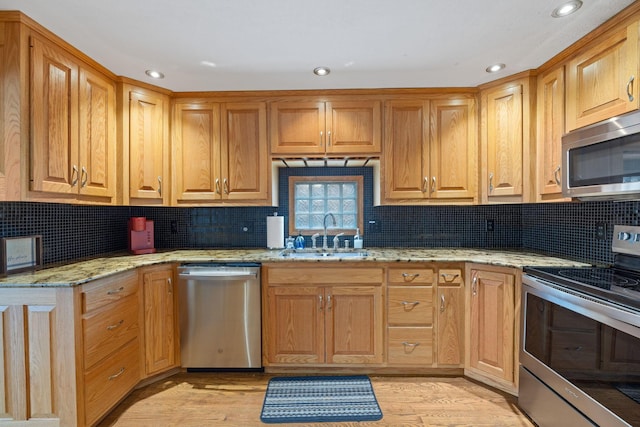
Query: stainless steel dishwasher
[220, 321]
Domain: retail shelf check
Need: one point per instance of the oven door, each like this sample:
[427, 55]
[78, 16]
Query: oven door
[587, 352]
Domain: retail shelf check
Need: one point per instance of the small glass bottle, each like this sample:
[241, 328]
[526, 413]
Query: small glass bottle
[299, 243]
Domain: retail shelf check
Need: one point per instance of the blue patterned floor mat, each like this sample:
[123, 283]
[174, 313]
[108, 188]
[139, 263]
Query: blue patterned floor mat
[320, 399]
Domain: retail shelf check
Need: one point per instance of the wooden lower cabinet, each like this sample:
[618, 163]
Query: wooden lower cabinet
[160, 319]
[492, 339]
[322, 316]
[450, 313]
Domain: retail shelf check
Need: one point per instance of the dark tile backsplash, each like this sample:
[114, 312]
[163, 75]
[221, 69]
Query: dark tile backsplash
[561, 229]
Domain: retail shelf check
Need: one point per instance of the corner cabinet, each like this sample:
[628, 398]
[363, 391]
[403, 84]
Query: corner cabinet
[145, 146]
[160, 319]
[493, 322]
[506, 136]
[602, 81]
[322, 316]
[73, 127]
[221, 153]
[429, 151]
[325, 127]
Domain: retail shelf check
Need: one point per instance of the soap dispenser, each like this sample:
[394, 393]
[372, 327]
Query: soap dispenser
[299, 242]
[357, 240]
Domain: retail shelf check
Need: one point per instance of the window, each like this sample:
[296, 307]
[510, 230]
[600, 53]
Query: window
[311, 198]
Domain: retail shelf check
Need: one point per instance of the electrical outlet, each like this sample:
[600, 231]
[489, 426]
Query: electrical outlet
[601, 231]
[174, 226]
[374, 227]
[490, 225]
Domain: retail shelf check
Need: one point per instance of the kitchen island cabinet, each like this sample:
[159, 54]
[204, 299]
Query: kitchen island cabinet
[321, 317]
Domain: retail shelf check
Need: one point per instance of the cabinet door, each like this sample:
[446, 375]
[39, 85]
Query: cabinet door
[244, 153]
[97, 142]
[294, 330]
[147, 146]
[297, 127]
[504, 142]
[354, 330]
[453, 140]
[159, 320]
[54, 119]
[405, 167]
[450, 319]
[550, 130]
[602, 81]
[353, 127]
[492, 323]
[196, 153]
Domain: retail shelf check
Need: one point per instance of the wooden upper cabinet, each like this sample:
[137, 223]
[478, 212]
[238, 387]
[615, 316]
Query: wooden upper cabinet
[72, 125]
[405, 163]
[97, 134]
[220, 152]
[602, 81]
[429, 150]
[244, 153]
[453, 141]
[550, 105]
[316, 127]
[506, 170]
[148, 162]
[54, 119]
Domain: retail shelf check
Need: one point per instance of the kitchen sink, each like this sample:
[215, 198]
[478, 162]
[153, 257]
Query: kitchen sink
[324, 254]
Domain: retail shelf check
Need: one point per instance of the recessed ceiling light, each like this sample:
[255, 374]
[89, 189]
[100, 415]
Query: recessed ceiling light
[209, 64]
[566, 8]
[495, 68]
[154, 74]
[321, 71]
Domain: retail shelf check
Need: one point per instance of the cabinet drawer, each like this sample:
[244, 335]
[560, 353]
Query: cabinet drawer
[108, 381]
[106, 330]
[410, 306]
[325, 275]
[411, 276]
[452, 276]
[410, 346]
[104, 291]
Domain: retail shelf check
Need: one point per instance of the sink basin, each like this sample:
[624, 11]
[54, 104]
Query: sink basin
[322, 255]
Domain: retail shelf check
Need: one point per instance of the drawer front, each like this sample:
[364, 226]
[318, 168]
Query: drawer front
[410, 346]
[108, 381]
[107, 330]
[325, 275]
[411, 276]
[104, 291]
[410, 306]
[452, 276]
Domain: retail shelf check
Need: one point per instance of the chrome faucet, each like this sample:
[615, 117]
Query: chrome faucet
[324, 223]
[336, 240]
[313, 240]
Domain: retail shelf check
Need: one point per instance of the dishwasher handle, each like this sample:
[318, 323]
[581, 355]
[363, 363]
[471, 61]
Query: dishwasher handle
[217, 275]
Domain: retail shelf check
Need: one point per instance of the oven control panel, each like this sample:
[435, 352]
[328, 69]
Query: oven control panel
[626, 239]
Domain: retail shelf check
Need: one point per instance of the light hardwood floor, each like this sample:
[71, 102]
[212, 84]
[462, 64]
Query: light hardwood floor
[212, 399]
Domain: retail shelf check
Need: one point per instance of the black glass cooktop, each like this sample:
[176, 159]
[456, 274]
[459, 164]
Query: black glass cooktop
[610, 283]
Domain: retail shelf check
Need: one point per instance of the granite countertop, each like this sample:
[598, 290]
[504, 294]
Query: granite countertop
[81, 272]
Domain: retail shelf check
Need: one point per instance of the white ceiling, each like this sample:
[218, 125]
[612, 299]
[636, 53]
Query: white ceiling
[275, 44]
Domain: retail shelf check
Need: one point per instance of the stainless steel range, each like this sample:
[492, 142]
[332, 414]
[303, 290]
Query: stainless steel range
[580, 352]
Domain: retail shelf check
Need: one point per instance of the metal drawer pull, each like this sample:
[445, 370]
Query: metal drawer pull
[452, 275]
[409, 305]
[115, 291]
[217, 186]
[320, 298]
[409, 277]
[117, 374]
[160, 186]
[329, 138]
[225, 185]
[556, 175]
[629, 90]
[409, 347]
[425, 186]
[74, 172]
[491, 183]
[474, 285]
[85, 177]
[433, 184]
[116, 325]
[328, 302]
[442, 303]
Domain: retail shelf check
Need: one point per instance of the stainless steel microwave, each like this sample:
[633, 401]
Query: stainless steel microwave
[602, 161]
